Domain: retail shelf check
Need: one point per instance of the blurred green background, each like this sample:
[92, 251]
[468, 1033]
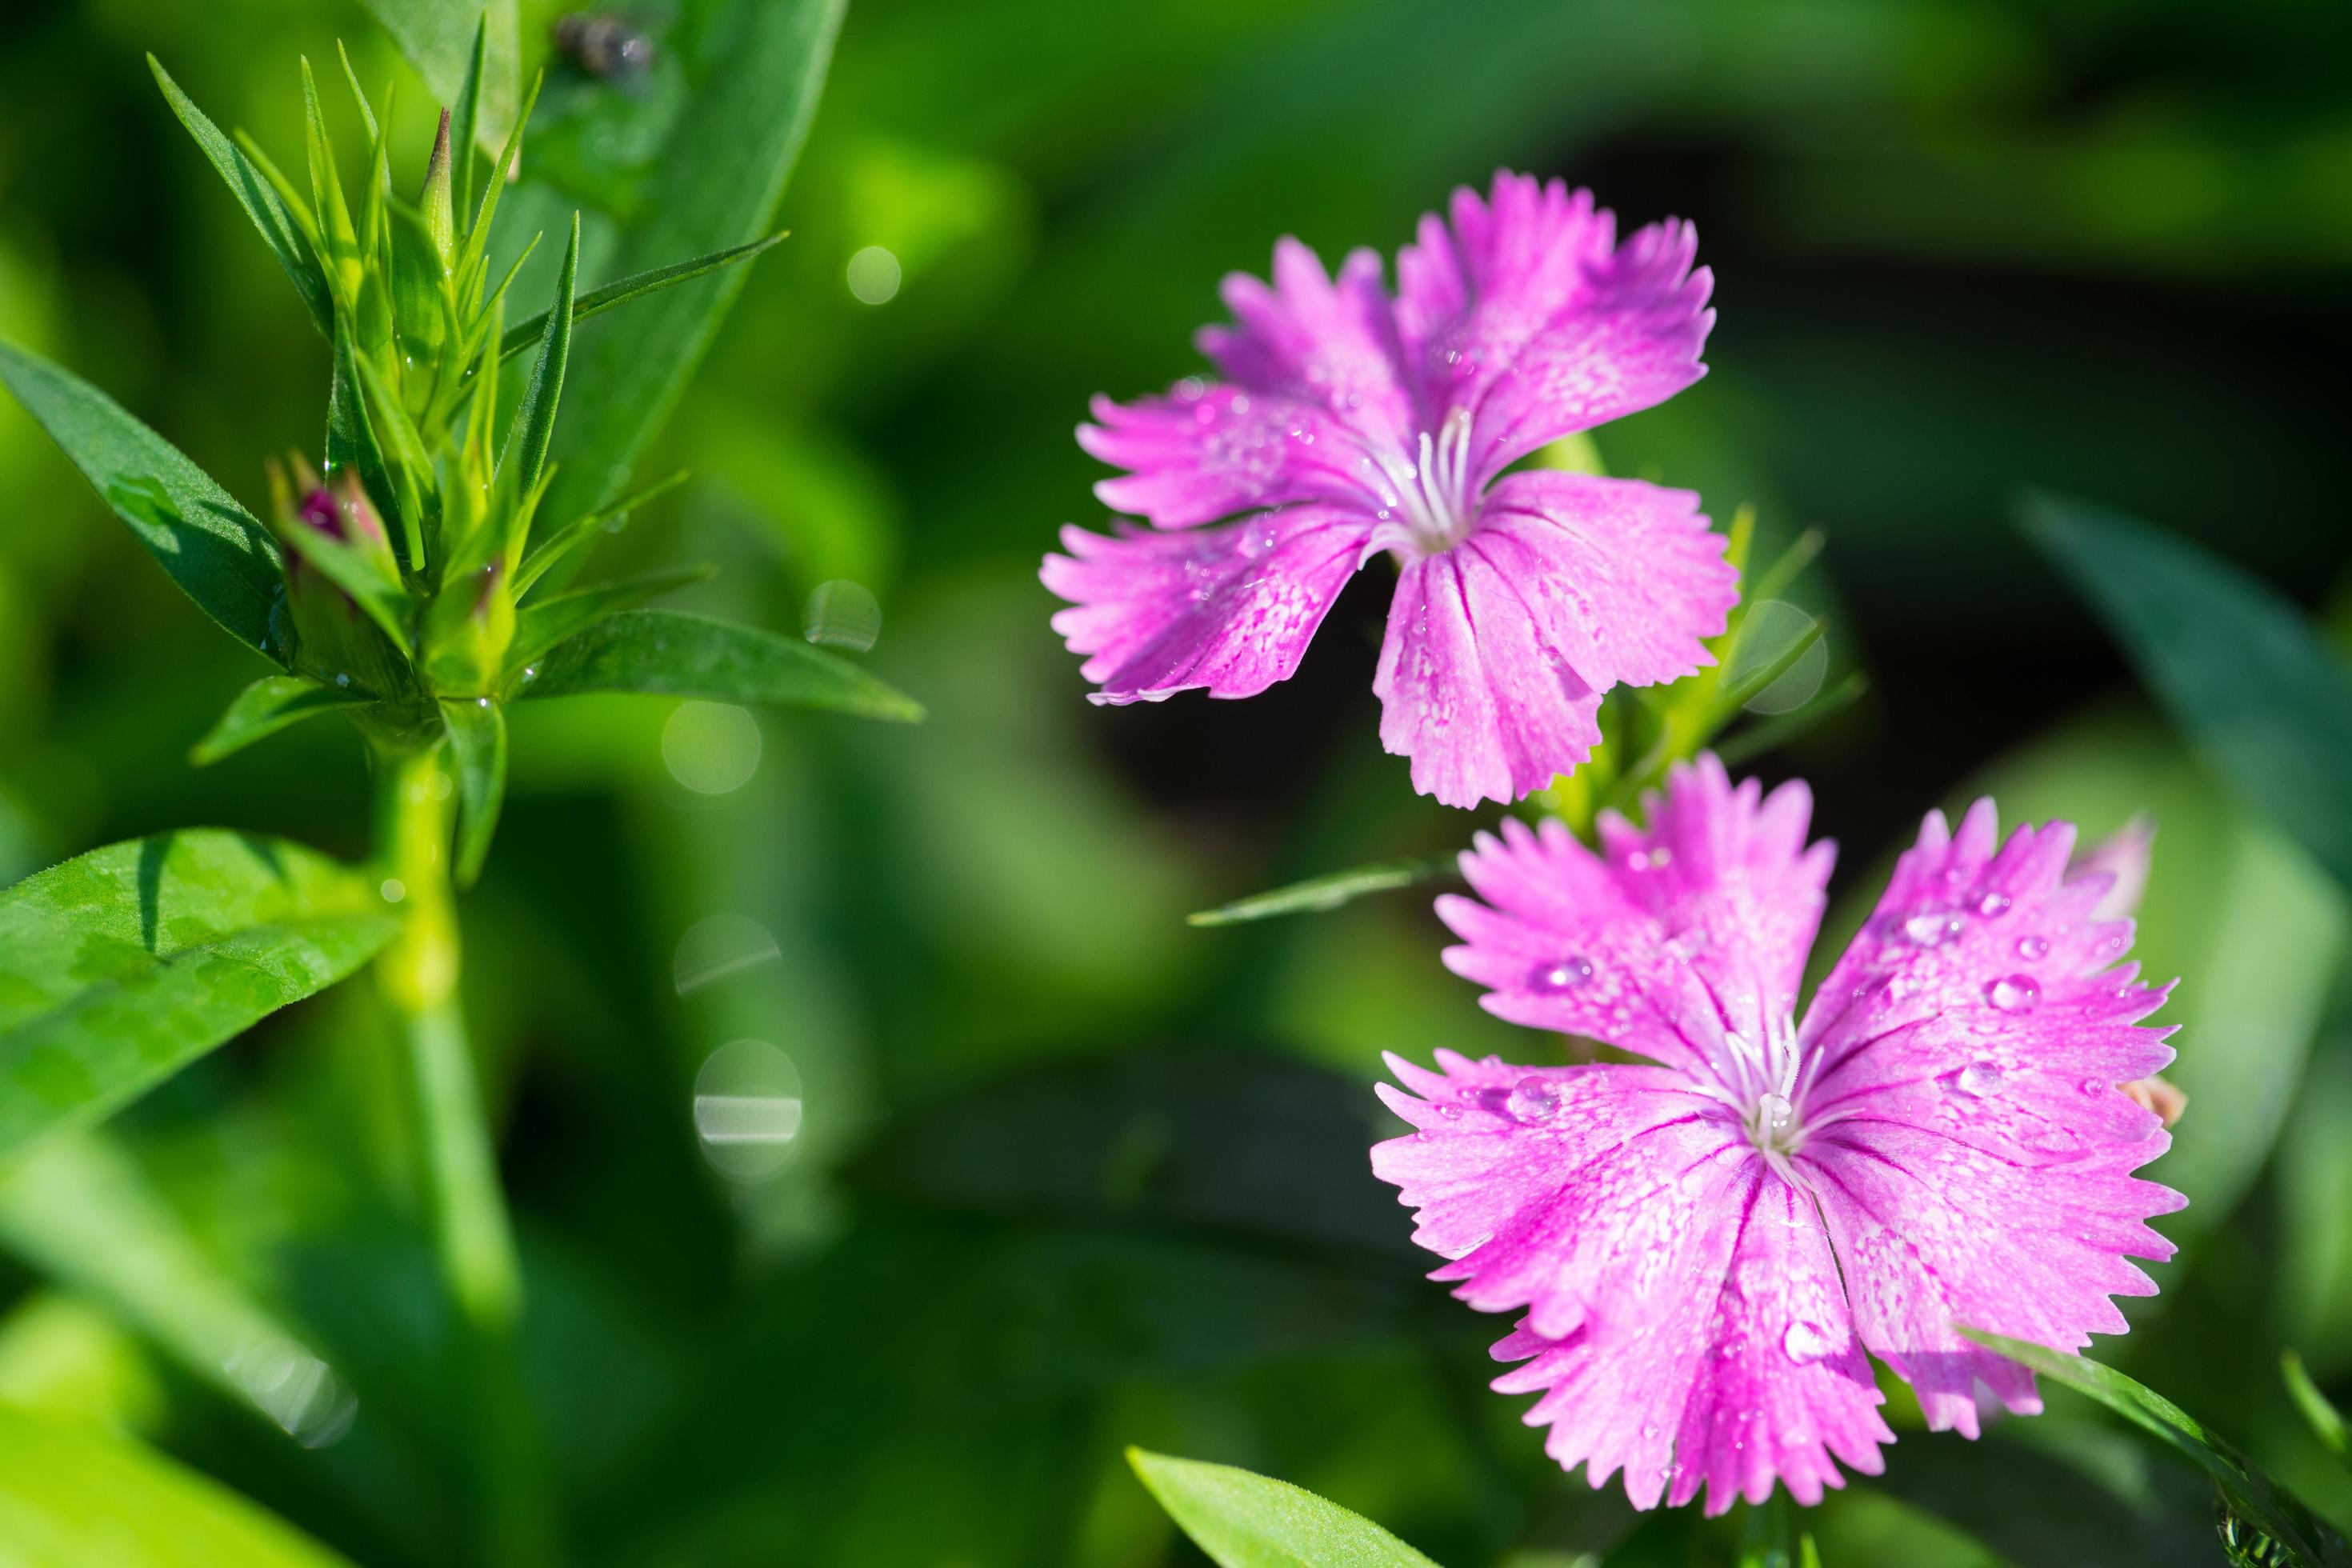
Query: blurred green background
[1072, 1175]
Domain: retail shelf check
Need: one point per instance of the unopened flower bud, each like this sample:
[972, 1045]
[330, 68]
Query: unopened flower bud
[436, 202]
[337, 643]
[2158, 1094]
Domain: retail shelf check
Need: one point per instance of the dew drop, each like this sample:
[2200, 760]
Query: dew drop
[1994, 905]
[1566, 974]
[1807, 1343]
[1933, 928]
[2033, 949]
[1450, 1112]
[341, 679]
[2095, 1086]
[1534, 1100]
[2014, 994]
[1978, 1080]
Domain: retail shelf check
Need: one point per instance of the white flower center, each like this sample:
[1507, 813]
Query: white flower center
[1434, 494]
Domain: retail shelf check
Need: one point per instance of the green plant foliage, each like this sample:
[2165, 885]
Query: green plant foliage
[2326, 1422]
[2266, 702]
[212, 547]
[664, 652]
[285, 229]
[477, 741]
[119, 967]
[1245, 1520]
[2246, 1493]
[523, 334]
[464, 49]
[720, 172]
[265, 707]
[1328, 891]
[71, 1498]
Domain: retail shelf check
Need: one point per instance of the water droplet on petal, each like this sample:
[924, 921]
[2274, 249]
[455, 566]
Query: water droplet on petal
[2014, 994]
[1534, 1100]
[1978, 1080]
[2033, 949]
[1807, 1343]
[1933, 928]
[1993, 905]
[1566, 974]
[2095, 1086]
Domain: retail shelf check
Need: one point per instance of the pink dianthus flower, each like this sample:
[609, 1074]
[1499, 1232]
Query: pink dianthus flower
[1704, 1245]
[1348, 422]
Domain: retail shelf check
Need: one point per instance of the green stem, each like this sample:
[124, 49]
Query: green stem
[472, 1234]
[419, 973]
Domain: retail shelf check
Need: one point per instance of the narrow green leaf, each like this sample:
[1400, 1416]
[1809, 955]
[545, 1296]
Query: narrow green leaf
[338, 238]
[265, 707]
[663, 651]
[1766, 735]
[477, 236]
[534, 417]
[556, 546]
[466, 125]
[2247, 1491]
[1243, 1519]
[1317, 894]
[598, 300]
[721, 170]
[478, 741]
[466, 53]
[220, 556]
[543, 625]
[2266, 704]
[281, 229]
[70, 1494]
[2326, 1422]
[122, 966]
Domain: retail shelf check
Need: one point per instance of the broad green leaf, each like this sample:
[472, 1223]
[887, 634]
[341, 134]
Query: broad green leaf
[281, 229]
[666, 652]
[478, 741]
[1246, 1521]
[596, 301]
[71, 1498]
[122, 966]
[212, 548]
[756, 73]
[2247, 1491]
[2264, 701]
[440, 38]
[534, 417]
[265, 707]
[80, 1210]
[543, 625]
[1328, 891]
[2326, 1421]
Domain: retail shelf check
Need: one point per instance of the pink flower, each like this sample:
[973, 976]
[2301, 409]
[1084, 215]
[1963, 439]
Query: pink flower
[1702, 1248]
[1348, 422]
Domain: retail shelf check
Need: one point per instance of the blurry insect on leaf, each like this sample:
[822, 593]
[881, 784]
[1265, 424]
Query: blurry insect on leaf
[1246, 1521]
[2250, 1503]
[217, 552]
[284, 229]
[668, 653]
[1331, 891]
[119, 967]
[2262, 699]
[265, 707]
[754, 69]
[68, 1494]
